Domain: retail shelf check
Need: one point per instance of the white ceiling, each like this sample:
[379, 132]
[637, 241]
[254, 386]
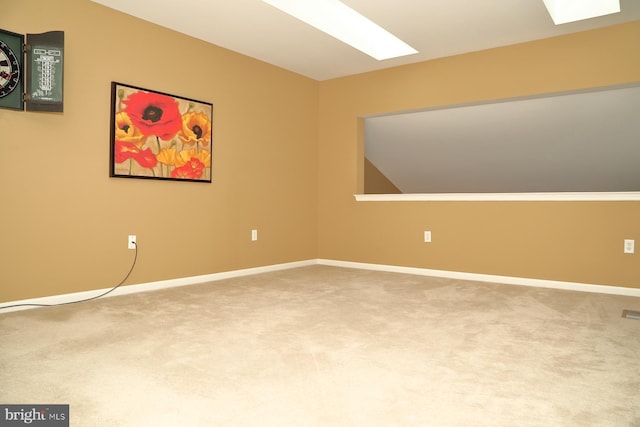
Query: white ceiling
[435, 28]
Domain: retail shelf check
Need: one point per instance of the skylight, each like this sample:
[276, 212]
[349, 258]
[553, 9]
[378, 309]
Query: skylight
[563, 11]
[345, 24]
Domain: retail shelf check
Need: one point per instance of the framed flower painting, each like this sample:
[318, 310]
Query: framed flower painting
[155, 135]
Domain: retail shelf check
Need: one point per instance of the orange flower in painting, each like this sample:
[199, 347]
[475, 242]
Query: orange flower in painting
[191, 170]
[127, 150]
[169, 156]
[186, 155]
[154, 114]
[205, 157]
[126, 130]
[191, 164]
[196, 128]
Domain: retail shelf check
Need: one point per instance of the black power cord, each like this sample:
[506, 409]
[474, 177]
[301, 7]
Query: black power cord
[133, 264]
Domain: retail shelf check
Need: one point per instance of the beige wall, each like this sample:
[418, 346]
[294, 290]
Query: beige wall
[65, 222]
[285, 162]
[567, 241]
[375, 182]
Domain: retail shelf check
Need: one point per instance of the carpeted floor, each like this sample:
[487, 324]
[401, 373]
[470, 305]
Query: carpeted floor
[330, 346]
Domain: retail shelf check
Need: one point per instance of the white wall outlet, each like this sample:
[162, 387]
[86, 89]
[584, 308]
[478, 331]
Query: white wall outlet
[254, 235]
[629, 246]
[427, 237]
[131, 241]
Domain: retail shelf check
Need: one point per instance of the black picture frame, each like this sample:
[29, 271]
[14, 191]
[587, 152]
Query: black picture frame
[156, 135]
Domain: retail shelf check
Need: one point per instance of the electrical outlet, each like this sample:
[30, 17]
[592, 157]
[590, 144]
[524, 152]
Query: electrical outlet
[629, 246]
[132, 242]
[427, 237]
[254, 235]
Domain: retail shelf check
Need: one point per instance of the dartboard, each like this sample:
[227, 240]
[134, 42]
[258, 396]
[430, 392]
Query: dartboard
[9, 70]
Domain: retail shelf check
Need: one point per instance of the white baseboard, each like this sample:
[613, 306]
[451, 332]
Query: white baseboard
[150, 286]
[193, 280]
[520, 281]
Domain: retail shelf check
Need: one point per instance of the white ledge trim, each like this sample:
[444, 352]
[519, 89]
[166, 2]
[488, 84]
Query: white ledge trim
[490, 197]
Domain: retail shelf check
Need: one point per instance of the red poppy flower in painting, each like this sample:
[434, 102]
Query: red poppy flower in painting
[154, 114]
[185, 156]
[127, 150]
[191, 170]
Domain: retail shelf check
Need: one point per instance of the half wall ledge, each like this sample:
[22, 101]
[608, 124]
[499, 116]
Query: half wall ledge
[498, 197]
